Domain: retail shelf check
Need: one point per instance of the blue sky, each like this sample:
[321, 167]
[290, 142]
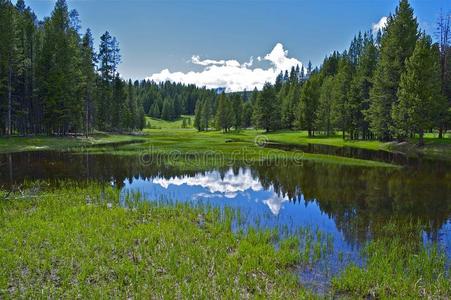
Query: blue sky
[157, 35]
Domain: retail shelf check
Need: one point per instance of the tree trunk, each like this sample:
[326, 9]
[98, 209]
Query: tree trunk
[440, 133]
[10, 102]
[421, 140]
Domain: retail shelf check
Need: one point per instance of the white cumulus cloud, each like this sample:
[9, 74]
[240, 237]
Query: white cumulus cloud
[232, 74]
[228, 185]
[380, 25]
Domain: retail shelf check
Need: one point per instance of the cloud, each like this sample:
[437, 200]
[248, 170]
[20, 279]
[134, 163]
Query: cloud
[279, 58]
[228, 185]
[380, 25]
[275, 202]
[195, 59]
[232, 74]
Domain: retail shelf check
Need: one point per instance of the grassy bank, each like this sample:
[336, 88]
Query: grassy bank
[39, 143]
[233, 146]
[77, 242]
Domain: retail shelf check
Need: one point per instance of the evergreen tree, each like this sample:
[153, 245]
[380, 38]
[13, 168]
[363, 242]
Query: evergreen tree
[237, 111]
[247, 115]
[341, 111]
[119, 109]
[224, 113]
[289, 104]
[267, 109]
[420, 96]
[198, 116]
[205, 115]
[359, 93]
[397, 44]
[133, 119]
[167, 112]
[88, 59]
[155, 110]
[8, 63]
[279, 82]
[444, 37]
[309, 68]
[308, 104]
[323, 120]
[106, 70]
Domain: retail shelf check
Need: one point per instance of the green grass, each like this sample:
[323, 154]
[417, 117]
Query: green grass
[302, 138]
[233, 146]
[162, 124]
[168, 138]
[77, 242]
[37, 143]
[398, 266]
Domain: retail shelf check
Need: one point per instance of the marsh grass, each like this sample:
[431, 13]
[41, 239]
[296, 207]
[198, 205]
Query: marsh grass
[398, 266]
[89, 240]
[81, 241]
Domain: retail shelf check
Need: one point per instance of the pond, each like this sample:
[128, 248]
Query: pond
[348, 203]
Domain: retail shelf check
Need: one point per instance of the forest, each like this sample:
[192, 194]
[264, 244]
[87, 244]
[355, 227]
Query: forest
[390, 84]
[52, 81]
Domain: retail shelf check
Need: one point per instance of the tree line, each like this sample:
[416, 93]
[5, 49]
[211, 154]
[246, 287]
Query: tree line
[169, 100]
[52, 81]
[390, 85]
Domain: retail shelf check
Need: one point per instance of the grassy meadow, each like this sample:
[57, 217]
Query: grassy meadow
[169, 138]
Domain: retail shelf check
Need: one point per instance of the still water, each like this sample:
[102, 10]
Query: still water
[348, 203]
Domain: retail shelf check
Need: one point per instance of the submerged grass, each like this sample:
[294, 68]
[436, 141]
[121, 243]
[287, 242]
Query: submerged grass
[398, 268]
[79, 242]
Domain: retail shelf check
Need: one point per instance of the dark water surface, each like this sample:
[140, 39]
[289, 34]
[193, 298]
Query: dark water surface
[348, 203]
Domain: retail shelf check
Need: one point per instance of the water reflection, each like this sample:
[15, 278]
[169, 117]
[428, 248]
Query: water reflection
[352, 203]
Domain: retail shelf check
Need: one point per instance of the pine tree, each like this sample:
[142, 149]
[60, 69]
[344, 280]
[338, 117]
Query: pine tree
[8, 62]
[308, 104]
[247, 115]
[237, 111]
[444, 37]
[198, 115]
[133, 121]
[205, 117]
[155, 110]
[267, 109]
[289, 104]
[359, 93]
[105, 58]
[420, 96]
[309, 68]
[323, 120]
[279, 82]
[397, 44]
[341, 112]
[167, 112]
[224, 113]
[120, 113]
[88, 59]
